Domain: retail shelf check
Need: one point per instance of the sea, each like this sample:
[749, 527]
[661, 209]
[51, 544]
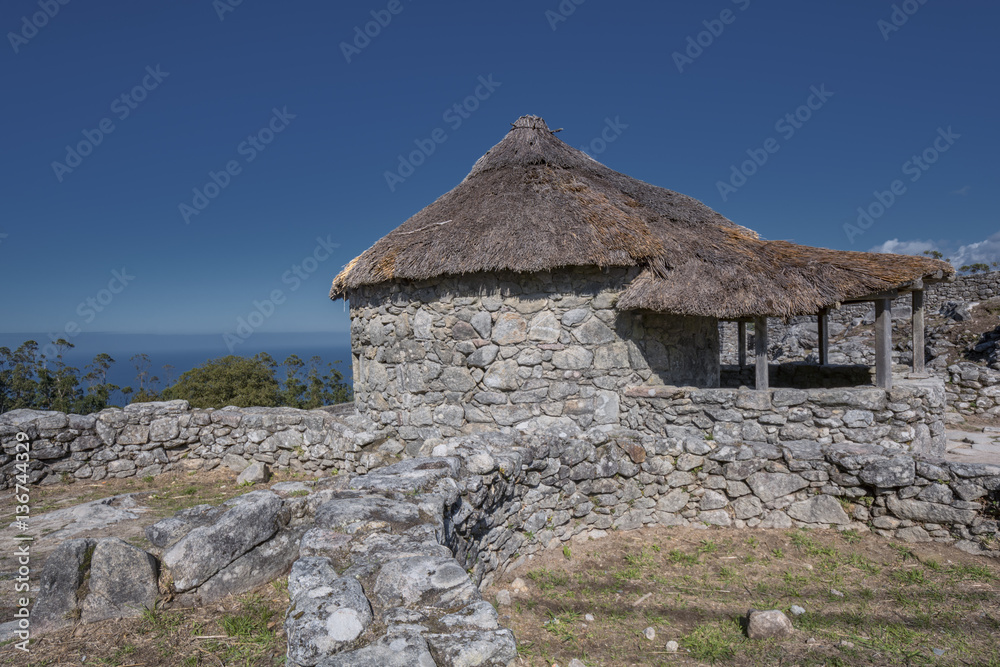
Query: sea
[172, 354]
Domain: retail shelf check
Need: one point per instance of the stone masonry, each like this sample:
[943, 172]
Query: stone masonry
[477, 353]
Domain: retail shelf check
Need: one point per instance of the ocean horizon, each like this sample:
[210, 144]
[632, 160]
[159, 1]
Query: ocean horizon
[182, 352]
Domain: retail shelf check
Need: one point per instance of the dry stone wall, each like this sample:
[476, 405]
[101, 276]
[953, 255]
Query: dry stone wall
[973, 389]
[387, 567]
[526, 492]
[910, 417]
[151, 438]
[476, 353]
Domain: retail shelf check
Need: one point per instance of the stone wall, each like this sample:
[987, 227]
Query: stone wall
[477, 353]
[908, 417]
[150, 438]
[976, 287]
[387, 567]
[973, 389]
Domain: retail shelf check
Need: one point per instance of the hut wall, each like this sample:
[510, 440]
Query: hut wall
[474, 353]
[909, 417]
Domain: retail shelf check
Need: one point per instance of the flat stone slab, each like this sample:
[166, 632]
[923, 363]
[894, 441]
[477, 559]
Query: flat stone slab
[409, 475]
[59, 525]
[350, 513]
[424, 581]
[400, 647]
[251, 519]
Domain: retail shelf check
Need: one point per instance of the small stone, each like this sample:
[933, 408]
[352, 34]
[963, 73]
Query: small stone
[649, 633]
[589, 618]
[845, 644]
[672, 646]
[797, 610]
[503, 598]
[576, 663]
[834, 592]
[768, 624]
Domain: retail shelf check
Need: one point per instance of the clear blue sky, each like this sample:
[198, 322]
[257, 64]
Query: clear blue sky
[213, 82]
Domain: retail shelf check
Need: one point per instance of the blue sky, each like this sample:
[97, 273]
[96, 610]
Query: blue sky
[299, 119]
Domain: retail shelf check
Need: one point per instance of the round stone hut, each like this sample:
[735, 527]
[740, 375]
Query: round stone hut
[545, 287]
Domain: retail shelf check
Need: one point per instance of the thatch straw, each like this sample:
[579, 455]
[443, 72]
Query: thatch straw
[533, 203]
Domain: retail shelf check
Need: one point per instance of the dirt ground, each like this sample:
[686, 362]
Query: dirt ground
[867, 600]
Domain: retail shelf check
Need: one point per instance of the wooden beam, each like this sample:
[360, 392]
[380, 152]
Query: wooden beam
[883, 343]
[741, 343]
[878, 296]
[823, 332]
[760, 350]
[917, 320]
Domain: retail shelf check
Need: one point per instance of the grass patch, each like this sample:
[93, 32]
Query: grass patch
[714, 641]
[899, 601]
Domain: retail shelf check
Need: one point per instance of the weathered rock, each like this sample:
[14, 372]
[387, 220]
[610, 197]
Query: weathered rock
[57, 604]
[770, 485]
[400, 647]
[483, 356]
[168, 531]
[819, 509]
[350, 513]
[326, 612]
[205, 550]
[916, 510]
[477, 616]
[771, 624]
[747, 507]
[888, 473]
[409, 475]
[488, 648]
[256, 473]
[510, 328]
[424, 581]
[122, 582]
[264, 563]
[235, 463]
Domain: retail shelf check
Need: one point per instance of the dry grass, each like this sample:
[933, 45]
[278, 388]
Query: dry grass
[246, 631]
[899, 603]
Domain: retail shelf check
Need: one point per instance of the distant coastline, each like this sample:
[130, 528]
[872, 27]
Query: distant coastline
[185, 351]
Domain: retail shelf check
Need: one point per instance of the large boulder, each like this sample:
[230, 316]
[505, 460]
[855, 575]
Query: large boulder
[262, 564]
[201, 553]
[122, 582]
[58, 602]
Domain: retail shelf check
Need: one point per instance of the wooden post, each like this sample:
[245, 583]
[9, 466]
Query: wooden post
[760, 349]
[741, 343]
[917, 320]
[824, 337]
[883, 343]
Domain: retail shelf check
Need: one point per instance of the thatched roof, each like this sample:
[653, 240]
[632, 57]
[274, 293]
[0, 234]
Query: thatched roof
[534, 203]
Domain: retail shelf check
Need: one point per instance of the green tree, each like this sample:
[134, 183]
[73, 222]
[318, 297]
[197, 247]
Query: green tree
[231, 380]
[99, 390]
[291, 393]
[978, 267]
[147, 382]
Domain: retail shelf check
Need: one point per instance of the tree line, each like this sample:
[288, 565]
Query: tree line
[977, 267]
[30, 379]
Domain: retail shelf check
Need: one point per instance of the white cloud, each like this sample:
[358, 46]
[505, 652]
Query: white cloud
[905, 247]
[986, 251]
